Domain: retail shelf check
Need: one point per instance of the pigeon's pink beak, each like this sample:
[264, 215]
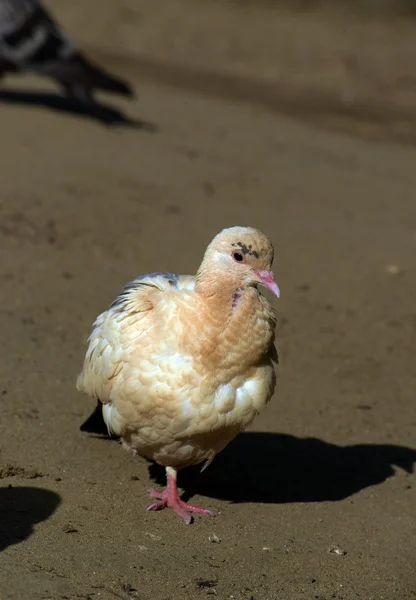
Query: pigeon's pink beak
[267, 278]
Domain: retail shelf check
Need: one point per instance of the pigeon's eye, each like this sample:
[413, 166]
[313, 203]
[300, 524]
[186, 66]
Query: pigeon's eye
[237, 256]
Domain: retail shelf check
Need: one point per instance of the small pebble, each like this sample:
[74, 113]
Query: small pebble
[337, 550]
[393, 269]
[153, 536]
[214, 539]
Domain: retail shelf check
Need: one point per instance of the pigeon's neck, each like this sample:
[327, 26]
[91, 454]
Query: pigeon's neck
[213, 284]
[238, 325]
[220, 295]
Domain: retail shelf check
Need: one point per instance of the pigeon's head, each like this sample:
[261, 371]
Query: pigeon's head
[242, 256]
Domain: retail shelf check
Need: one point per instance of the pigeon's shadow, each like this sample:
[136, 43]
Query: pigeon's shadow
[275, 468]
[20, 509]
[98, 111]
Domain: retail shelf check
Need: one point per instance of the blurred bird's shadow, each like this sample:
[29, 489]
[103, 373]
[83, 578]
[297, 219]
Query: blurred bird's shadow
[277, 468]
[100, 112]
[20, 509]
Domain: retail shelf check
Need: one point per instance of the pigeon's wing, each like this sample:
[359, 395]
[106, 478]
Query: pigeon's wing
[118, 330]
[274, 355]
[120, 344]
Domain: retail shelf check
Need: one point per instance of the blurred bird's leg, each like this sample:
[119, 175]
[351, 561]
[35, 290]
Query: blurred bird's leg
[84, 97]
[169, 498]
[81, 93]
[3, 69]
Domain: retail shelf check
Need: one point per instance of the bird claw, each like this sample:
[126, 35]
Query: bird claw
[181, 508]
[155, 494]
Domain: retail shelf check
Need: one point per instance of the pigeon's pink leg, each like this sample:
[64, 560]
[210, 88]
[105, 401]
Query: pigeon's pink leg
[169, 498]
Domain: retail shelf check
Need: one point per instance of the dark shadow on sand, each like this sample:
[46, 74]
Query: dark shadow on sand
[277, 468]
[20, 509]
[102, 113]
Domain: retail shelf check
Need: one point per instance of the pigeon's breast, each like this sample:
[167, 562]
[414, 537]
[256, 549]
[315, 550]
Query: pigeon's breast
[231, 404]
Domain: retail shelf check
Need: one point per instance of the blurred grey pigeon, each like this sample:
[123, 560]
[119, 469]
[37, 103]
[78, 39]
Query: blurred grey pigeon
[30, 40]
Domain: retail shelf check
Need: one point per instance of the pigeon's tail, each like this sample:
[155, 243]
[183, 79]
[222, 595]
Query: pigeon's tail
[77, 71]
[95, 422]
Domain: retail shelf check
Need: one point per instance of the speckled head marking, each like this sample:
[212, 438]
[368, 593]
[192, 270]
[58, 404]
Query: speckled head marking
[250, 242]
[247, 249]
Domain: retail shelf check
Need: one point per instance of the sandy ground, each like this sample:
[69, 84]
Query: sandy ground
[315, 502]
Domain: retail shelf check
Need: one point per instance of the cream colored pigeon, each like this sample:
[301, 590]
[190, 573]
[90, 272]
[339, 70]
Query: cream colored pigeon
[182, 364]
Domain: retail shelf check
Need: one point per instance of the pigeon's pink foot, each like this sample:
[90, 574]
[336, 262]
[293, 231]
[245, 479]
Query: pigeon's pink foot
[169, 498]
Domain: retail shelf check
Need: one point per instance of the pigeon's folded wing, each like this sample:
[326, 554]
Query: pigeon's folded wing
[115, 332]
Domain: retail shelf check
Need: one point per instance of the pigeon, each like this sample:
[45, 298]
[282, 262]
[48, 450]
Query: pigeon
[182, 364]
[30, 40]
